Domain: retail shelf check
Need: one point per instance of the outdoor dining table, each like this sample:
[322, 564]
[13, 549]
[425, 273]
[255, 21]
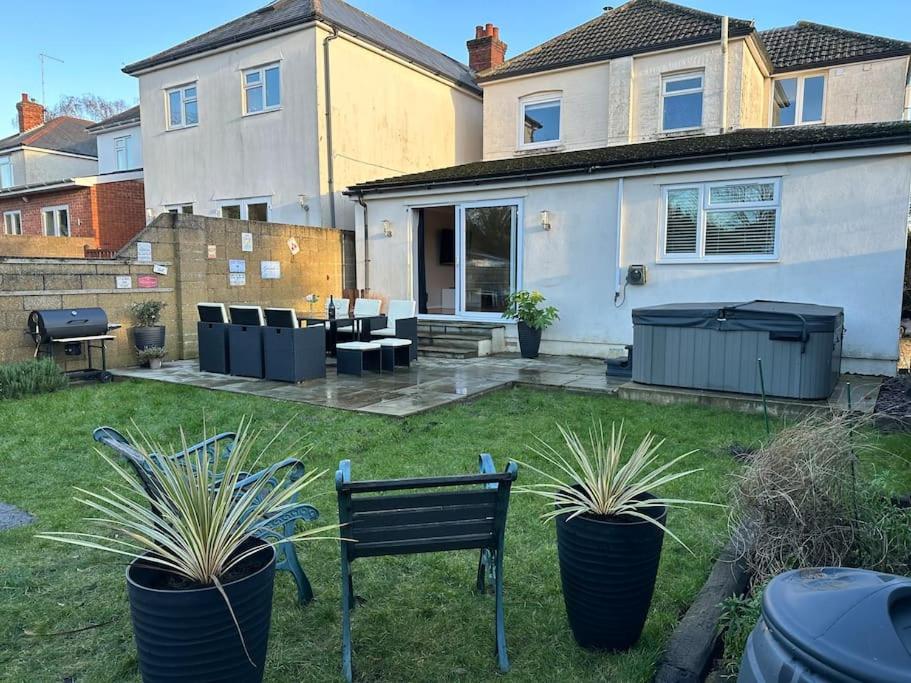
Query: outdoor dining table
[356, 322]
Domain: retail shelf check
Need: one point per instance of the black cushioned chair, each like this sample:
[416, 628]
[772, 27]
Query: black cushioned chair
[245, 341]
[292, 353]
[212, 338]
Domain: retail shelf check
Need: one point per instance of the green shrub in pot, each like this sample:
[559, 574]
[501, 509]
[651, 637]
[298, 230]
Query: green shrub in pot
[148, 332]
[202, 561]
[151, 356]
[610, 529]
[532, 318]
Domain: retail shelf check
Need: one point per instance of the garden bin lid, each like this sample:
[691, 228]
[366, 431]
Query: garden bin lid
[771, 316]
[852, 621]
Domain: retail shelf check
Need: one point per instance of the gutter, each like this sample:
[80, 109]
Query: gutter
[724, 74]
[330, 162]
[648, 163]
[360, 200]
[619, 247]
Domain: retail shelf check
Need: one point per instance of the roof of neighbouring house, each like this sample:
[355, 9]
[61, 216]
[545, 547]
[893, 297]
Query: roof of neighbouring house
[62, 134]
[125, 118]
[283, 14]
[753, 142]
[635, 27]
[807, 45]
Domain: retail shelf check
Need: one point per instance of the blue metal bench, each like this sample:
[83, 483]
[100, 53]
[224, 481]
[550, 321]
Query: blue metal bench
[428, 520]
[275, 529]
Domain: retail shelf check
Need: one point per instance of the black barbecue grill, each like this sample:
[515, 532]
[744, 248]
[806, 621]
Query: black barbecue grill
[79, 331]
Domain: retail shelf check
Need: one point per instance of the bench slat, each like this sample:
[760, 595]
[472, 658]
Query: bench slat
[415, 532]
[418, 501]
[449, 513]
[425, 482]
[426, 545]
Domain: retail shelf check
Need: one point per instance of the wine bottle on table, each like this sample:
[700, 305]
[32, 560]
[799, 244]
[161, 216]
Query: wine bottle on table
[331, 309]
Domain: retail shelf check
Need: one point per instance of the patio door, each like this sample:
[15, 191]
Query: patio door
[488, 263]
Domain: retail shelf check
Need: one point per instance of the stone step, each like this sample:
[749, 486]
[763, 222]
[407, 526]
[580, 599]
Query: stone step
[446, 352]
[466, 328]
[482, 339]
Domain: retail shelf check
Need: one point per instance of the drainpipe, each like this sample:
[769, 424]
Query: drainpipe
[360, 200]
[619, 246]
[330, 172]
[724, 74]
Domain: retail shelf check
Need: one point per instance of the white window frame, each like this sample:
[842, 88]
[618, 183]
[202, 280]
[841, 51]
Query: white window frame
[6, 162]
[6, 222]
[184, 100]
[55, 211]
[178, 208]
[244, 206]
[705, 205]
[122, 144]
[261, 70]
[798, 103]
[543, 98]
[681, 76]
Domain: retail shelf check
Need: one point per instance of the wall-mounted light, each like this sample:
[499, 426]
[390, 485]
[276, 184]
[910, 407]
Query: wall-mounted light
[545, 219]
[387, 228]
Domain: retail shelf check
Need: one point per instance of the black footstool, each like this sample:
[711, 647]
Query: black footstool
[353, 358]
[395, 352]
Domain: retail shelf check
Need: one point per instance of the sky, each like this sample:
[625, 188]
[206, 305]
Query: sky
[96, 39]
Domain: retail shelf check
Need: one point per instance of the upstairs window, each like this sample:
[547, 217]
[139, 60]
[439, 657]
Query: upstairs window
[183, 109]
[56, 221]
[798, 100]
[122, 153]
[262, 89]
[12, 222]
[179, 208]
[6, 172]
[539, 121]
[251, 209]
[681, 101]
[725, 221]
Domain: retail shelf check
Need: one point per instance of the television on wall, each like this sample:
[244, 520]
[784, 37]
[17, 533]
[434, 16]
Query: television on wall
[447, 247]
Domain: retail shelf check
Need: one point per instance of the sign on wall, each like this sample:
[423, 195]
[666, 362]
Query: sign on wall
[237, 279]
[144, 252]
[246, 241]
[237, 265]
[147, 281]
[211, 251]
[123, 282]
[293, 246]
[160, 269]
[270, 270]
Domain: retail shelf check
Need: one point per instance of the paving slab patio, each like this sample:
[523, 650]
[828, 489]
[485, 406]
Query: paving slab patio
[428, 383]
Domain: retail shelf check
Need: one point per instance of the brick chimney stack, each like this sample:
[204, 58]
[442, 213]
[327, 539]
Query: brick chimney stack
[31, 114]
[486, 50]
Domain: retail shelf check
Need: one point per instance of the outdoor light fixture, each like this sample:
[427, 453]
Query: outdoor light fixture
[387, 227]
[545, 219]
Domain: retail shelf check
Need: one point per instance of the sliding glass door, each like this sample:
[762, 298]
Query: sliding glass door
[489, 257]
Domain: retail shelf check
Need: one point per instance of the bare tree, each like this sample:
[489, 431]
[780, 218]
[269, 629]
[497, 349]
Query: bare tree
[87, 106]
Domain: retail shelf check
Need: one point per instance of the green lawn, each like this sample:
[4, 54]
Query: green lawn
[63, 610]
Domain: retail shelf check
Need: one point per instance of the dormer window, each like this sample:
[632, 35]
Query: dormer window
[539, 121]
[681, 101]
[798, 100]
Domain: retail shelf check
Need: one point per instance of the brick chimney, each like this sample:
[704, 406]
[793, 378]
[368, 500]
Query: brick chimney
[486, 50]
[31, 114]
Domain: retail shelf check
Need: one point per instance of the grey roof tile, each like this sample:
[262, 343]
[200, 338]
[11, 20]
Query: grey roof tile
[126, 117]
[289, 13]
[746, 142]
[62, 134]
[635, 27]
[807, 45]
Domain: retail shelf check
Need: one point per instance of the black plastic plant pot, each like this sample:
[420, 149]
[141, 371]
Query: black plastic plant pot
[529, 340]
[189, 635]
[608, 568]
[147, 337]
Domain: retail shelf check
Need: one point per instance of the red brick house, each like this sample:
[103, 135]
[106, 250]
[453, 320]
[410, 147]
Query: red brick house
[50, 186]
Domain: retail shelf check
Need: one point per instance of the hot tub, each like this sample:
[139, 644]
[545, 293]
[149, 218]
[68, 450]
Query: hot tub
[716, 346]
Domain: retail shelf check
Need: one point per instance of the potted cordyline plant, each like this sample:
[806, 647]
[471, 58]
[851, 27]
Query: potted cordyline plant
[531, 317]
[147, 331]
[200, 580]
[610, 529]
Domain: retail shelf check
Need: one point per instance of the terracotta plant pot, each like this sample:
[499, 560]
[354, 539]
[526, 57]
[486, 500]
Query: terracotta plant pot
[188, 634]
[608, 568]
